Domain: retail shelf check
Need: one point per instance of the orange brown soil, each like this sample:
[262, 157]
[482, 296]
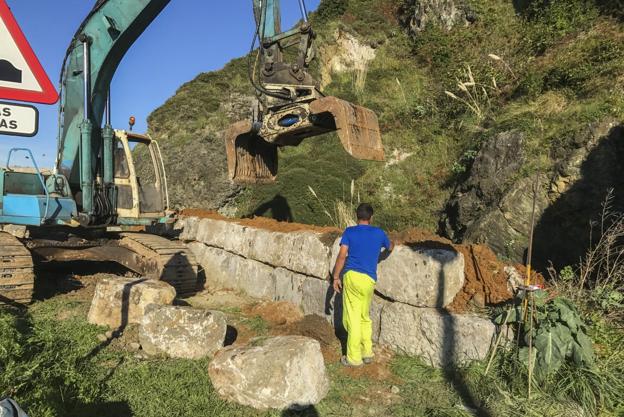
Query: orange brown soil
[278, 313]
[260, 222]
[486, 281]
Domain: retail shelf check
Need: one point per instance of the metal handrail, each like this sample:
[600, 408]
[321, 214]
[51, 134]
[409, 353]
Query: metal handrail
[164, 174]
[39, 175]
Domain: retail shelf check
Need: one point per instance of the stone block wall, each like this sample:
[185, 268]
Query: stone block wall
[415, 284]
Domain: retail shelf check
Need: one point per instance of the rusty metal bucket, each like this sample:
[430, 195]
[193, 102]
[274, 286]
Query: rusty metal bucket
[252, 156]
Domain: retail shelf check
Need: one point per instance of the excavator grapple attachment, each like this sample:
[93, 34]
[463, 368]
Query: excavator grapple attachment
[250, 159]
[252, 153]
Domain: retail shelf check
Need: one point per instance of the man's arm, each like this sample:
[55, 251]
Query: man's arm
[340, 261]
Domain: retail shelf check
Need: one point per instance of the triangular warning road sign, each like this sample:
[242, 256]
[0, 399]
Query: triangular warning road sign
[22, 77]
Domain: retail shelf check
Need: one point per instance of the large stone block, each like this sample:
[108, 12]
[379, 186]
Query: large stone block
[280, 372]
[220, 267]
[438, 337]
[255, 279]
[317, 297]
[181, 332]
[422, 277]
[224, 269]
[288, 286]
[188, 227]
[120, 301]
[305, 252]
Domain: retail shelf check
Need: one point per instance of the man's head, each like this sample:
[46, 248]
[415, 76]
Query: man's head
[364, 212]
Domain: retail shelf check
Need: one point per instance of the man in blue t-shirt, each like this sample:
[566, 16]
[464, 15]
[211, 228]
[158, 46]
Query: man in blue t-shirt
[360, 248]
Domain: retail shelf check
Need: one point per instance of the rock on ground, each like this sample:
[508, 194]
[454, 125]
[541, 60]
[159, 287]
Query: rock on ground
[437, 337]
[182, 332]
[280, 372]
[118, 301]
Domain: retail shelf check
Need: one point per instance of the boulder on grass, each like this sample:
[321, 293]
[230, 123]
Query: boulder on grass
[118, 301]
[181, 332]
[280, 372]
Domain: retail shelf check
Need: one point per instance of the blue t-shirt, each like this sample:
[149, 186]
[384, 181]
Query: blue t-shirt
[365, 243]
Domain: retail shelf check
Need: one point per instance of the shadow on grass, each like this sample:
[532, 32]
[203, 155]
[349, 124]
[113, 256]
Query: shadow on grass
[307, 412]
[449, 359]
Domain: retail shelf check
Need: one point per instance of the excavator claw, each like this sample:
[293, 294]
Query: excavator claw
[252, 148]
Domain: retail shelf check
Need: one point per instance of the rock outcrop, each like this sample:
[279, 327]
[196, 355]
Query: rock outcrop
[118, 301]
[181, 332]
[446, 14]
[493, 205]
[345, 54]
[280, 372]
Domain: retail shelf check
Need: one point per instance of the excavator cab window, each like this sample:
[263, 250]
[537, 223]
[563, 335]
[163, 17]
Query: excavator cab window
[121, 162]
[150, 191]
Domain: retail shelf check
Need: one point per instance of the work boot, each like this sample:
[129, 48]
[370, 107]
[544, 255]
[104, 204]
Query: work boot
[368, 361]
[346, 362]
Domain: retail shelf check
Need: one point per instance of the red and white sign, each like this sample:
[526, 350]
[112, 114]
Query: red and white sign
[22, 77]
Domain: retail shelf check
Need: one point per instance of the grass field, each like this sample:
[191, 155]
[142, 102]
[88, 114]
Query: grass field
[53, 363]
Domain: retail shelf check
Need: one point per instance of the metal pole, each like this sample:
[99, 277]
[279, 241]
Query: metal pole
[107, 136]
[86, 130]
[86, 61]
[108, 108]
[304, 11]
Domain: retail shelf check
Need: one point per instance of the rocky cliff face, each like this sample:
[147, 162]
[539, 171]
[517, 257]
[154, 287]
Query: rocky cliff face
[494, 204]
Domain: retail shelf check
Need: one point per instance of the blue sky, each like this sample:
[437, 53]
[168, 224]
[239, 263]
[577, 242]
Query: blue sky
[201, 35]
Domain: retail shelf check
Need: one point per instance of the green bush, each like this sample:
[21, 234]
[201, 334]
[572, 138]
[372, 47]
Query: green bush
[331, 9]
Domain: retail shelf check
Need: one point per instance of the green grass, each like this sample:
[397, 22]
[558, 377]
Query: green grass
[52, 363]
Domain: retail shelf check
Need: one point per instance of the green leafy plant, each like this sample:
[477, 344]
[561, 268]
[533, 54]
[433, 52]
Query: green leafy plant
[558, 334]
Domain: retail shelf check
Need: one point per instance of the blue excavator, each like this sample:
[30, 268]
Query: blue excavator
[106, 179]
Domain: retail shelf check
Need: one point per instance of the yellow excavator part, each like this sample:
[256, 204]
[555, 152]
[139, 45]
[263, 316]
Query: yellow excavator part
[252, 153]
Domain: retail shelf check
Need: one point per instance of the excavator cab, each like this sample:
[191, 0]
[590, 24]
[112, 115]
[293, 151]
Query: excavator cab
[290, 107]
[140, 178]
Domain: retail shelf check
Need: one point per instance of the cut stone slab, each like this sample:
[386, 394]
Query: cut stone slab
[280, 373]
[118, 301]
[305, 252]
[317, 297]
[439, 338]
[288, 286]
[181, 332]
[422, 277]
[419, 275]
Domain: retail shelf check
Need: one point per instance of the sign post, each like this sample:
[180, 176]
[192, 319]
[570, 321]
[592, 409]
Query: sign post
[22, 78]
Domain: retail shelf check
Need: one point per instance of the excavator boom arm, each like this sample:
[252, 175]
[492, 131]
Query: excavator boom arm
[104, 37]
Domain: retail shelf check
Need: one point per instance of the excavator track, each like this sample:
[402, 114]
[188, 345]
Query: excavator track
[17, 277]
[164, 259]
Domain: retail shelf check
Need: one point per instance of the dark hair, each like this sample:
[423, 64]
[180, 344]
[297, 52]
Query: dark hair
[364, 211]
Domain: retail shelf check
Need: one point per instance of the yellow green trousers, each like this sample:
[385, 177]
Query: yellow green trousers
[357, 293]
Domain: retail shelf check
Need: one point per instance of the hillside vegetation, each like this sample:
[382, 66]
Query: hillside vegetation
[446, 78]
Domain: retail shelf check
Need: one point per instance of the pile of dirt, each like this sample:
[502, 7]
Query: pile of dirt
[260, 222]
[486, 281]
[312, 326]
[277, 313]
